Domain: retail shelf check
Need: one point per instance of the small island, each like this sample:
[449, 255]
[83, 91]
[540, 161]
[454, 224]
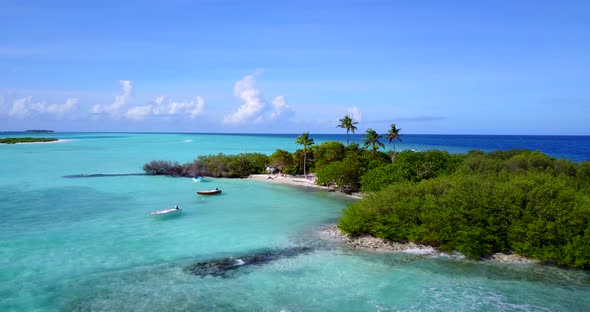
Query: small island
[26, 140]
[519, 205]
[39, 131]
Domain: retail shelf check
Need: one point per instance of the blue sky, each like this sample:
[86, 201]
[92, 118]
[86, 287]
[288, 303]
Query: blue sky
[440, 67]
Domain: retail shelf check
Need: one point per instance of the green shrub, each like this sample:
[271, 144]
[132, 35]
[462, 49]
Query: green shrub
[344, 174]
[411, 166]
[327, 153]
[220, 165]
[282, 160]
[525, 203]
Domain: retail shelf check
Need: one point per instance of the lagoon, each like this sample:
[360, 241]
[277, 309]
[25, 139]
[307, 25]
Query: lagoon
[89, 244]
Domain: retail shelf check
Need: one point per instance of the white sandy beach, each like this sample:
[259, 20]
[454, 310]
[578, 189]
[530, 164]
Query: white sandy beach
[288, 180]
[295, 181]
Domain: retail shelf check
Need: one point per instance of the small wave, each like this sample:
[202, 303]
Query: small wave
[240, 262]
[187, 141]
[453, 255]
[420, 251]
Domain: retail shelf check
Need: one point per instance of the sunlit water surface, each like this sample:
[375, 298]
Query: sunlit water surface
[89, 244]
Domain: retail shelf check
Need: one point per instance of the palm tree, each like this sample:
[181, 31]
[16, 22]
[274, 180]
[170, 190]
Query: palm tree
[305, 141]
[348, 124]
[392, 135]
[372, 139]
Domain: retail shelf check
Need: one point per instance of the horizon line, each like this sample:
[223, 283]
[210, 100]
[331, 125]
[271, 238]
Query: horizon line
[276, 133]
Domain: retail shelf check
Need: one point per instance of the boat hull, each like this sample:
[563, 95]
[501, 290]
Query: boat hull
[209, 192]
[164, 212]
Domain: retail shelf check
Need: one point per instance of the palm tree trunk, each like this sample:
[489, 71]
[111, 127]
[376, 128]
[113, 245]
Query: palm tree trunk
[304, 160]
[347, 142]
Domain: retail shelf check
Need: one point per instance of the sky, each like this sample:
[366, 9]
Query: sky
[430, 67]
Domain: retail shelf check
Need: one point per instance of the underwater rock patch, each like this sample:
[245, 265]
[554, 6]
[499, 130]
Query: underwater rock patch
[100, 175]
[221, 267]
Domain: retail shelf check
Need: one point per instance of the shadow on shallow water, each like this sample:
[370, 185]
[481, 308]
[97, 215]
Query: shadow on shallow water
[224, 266]
[100, 175]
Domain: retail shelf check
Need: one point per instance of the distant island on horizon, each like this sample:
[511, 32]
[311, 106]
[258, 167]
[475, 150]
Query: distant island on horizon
[40, 131]
[26, 140]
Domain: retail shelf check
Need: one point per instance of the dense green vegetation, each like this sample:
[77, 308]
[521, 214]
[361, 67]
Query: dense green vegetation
[220, 165]
[506, 201]
[26, 140]
[411, 166]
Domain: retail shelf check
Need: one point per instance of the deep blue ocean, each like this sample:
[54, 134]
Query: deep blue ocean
[90, 244]
[576, 148]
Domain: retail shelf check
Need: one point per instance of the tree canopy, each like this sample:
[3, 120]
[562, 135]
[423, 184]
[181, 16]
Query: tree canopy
[348, 124]
[392, 135]
[480, 203]
[372, 139]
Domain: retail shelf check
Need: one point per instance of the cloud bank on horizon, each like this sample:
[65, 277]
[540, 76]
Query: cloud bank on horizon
[26, 107]
[113, 109]
[167, 108]
[158, 107]
[253, 110]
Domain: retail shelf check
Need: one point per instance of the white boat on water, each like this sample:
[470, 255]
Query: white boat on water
[197, 179]
[210, 192]
[168, 211]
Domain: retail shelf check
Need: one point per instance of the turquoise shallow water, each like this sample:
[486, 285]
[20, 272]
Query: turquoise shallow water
[89, 244]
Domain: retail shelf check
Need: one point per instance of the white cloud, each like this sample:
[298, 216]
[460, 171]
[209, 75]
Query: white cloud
[280, 109]
[26, 107]
[189, 109]
[253, 104]
[355, 113]
[70, 105]
[120, 101]
[139, 112]
[20, 108]
[254, 108]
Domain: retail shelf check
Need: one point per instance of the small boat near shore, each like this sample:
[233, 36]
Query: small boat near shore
[197, 179]
[168, 211]
[209, 192]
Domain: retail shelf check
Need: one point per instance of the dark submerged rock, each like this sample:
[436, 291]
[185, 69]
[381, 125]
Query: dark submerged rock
[222, 267]
[101, 175]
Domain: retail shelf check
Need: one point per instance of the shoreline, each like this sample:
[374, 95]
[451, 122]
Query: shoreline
[378, 245]
[374, 244]
[294, 181]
